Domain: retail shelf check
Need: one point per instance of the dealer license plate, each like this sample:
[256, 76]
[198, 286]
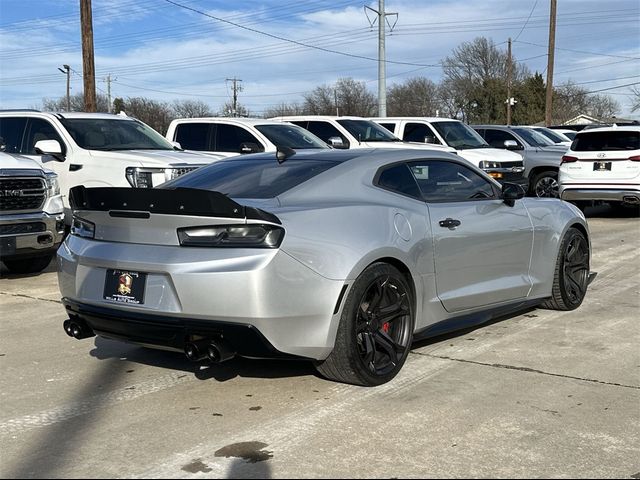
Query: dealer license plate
[601, 166]
[125, 286]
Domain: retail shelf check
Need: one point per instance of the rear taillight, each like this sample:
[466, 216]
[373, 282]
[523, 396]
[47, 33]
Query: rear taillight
[247, 236]
[635, 158]
[568, 159]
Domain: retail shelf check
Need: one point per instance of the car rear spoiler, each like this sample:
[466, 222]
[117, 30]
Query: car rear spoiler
[178, 201]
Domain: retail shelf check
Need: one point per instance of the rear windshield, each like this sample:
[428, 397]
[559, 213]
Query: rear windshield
[247, 178]
[597, 141]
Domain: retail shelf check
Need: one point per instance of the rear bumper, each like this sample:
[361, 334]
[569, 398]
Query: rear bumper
[171, 333]
[631, 196]
[30, 235]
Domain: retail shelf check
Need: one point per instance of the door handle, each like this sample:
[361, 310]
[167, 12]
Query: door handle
[450, 223]
[74, 167]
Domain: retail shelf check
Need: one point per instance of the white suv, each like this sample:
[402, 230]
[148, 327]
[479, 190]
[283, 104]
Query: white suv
[354, 132]
[96, 149]
[234, 136]
[603, 164]
[503, 165]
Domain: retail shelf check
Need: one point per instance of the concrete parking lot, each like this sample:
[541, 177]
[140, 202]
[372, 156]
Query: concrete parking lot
[540, 394]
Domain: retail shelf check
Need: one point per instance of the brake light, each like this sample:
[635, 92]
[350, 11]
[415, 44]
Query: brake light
[635, 158]
[568, 159]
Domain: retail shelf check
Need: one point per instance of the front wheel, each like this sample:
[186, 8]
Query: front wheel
[375, 331]
[571, 275]
[545, 184]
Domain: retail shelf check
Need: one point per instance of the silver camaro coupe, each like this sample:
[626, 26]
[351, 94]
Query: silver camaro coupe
[341, 257]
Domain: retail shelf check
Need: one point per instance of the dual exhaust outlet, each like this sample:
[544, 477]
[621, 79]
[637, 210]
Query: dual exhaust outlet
[214, 351]
[631, 199]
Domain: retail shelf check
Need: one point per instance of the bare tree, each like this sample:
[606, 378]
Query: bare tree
[156, 114]
[191, 109]
[346, 97]
[571, 100]
[227, 110]
[76, 101]
[635, 92]
[417, 97]
[284, 109]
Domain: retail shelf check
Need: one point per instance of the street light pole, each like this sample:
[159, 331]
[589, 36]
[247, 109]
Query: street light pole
[67, 71]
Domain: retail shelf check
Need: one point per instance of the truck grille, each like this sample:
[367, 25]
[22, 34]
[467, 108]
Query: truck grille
[178, 172]
[22, 228]
[511, 164]
[21, 193]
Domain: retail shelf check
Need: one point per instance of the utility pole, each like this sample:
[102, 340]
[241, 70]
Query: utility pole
[67, 70]
[335, 100]
[236, 88]
[552, 46]
[109, 106]
[382, 71]
[88, 66]
[509, 74]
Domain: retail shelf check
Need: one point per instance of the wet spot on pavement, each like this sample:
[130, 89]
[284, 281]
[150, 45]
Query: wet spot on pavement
[196, 466]
[253, 452]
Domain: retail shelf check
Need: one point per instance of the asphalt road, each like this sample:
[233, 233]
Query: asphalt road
[541, 394]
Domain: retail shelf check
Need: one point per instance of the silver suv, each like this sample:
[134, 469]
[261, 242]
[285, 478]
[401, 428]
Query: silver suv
[31, 214]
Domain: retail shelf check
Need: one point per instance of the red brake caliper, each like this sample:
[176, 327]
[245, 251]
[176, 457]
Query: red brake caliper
[385, 327]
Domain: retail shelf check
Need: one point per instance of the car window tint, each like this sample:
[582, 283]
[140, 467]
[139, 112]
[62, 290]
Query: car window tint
[389, 126]
[442, 181]
[598, 141]
[496, 138]
[533, 138]
[264, 178]
[292, 136]
[193, 136]
[400, 180]
[325, 131]
[417, 132]
[11, 133]
[40, 129]
[108, 134]
[230, 137]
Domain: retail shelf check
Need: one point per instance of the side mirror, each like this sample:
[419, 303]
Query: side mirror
[512, 145]
[512, 192]
[249, 147]
[336, 142]
[431, 139]
[49, 147]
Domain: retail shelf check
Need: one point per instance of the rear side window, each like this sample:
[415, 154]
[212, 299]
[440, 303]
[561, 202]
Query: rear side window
[418, 132]
[11, 133]
[194, 136]
[614, 140]
[229, 138]
[399, 179]
[496, 138]
[389, 126]
[265, 178]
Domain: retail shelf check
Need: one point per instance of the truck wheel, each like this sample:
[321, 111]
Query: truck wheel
[28, 265]
[545, 184]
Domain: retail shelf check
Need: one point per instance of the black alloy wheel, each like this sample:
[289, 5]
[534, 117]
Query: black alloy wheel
[382, 325]
[375, 331]
[572, 272]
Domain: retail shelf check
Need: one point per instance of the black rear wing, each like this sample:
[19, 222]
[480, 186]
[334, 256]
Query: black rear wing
[178, 201]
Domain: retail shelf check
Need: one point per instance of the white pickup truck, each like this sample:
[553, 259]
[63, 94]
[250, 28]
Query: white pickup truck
[31, 216]
[96, 149]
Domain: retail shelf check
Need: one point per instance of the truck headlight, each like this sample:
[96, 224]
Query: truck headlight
[488, 164]
[148, 177]
[53, 187]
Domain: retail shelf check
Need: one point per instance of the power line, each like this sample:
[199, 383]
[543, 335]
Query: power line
[582, 51]
[527, 21]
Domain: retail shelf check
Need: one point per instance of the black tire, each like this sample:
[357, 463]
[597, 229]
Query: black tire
[28, 265]
[376, 329]
[545, 184]
[571, 275]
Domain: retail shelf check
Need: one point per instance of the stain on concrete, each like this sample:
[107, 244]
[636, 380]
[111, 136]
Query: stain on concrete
[196, 466]
[255, 409]
[252, 452]
[636, 475]
[216, 415]
[130, 371]
[194, 408]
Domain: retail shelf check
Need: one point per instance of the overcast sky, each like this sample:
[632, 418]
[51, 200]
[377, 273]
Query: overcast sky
[282, 49]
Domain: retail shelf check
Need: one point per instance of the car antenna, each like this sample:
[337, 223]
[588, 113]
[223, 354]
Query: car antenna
[283, 153]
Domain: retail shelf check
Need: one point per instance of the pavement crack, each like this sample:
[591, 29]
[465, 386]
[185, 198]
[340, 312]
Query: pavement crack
[526, 369]
[30, 297]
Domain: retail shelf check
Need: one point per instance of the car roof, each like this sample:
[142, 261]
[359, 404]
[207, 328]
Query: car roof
[318, 117]
[232, 120]
[611, 129]
[427, 119]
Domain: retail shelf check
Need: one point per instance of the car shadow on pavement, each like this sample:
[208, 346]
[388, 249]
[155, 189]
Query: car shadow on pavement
[4, 271]
[609, 211]
[236, 367]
